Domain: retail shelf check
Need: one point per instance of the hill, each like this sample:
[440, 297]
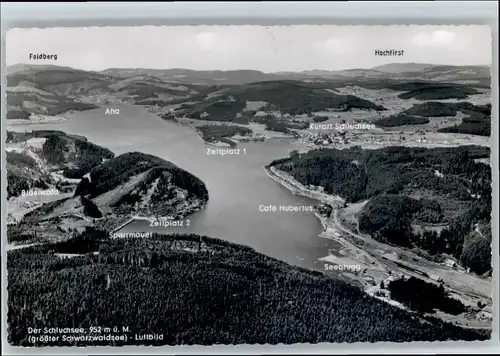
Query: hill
[149, 90]
[479, 73]
[410, 190]
[479, 76]
[472, 74]
[330, 75]
[426, 90]
[222, 133]
[477, 121]
[474, 124]
[223, 95]
[22, 67]
[144, 185]
[23, 101]
[200, 77]
[432, 109]
[400, 120]
[282, 97]
[52, 90]
[297, 98]
[61, 81]
[196, 290]
[23, 173]
[48, 89]
[33, 156]
[403, 67]
[132, 184]
[112, 173]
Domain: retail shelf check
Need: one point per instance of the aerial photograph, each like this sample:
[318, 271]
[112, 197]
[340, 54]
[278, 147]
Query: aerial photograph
[204, 185]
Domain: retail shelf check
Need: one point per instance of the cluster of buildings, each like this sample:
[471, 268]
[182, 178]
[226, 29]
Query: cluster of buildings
[325, 138]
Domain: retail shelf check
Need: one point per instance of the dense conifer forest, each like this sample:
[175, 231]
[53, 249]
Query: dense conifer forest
[424, 297]
[72, 154]
[455, 191]
[119, 170]
[197, 290]
[215, 133]
[401, 119]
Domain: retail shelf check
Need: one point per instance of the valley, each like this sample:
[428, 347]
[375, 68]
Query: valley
[409, 197]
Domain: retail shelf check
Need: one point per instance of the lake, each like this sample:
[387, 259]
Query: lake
[237, 184]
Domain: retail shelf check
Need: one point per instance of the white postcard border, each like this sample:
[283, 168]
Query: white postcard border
[271, 13]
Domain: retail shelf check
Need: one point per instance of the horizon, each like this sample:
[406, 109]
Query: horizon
[243, 69]
[268, 49]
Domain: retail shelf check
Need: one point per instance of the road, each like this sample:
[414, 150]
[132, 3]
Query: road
[460, 283]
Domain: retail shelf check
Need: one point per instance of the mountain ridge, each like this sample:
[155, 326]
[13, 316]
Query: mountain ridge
[390, 67]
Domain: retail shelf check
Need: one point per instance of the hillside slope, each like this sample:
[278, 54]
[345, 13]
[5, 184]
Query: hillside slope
[24, 100]
[276, 97]
[143, 184]
[53, 90]
[411, 189]
[201, 77]
[33, 156]
[132, 184]
[197, 290]
[478, 74]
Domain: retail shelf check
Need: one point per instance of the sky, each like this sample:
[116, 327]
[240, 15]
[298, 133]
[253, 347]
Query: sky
[264, 48]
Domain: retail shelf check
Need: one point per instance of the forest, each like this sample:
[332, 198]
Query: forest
[400, 120]
[74, 155]
[197, 290]
[215, 133]
[169, 185]
[320, 118]
[218, 110]
[120, 169]
[389, 219]
[474, 124]
[112, 173]
[477, 251]
[287, 96]
[424, 297]
[357, 174]
[458, 197]
[439, 92]
[294, 97]
[274, 123]
[47, 77]
[432, 109]
[89, 156]
[50, 104]
[23, 174]
[437, 108]
[140, 91]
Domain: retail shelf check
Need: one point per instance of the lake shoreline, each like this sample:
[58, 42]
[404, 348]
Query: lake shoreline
[298, 188]
[178, 143]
